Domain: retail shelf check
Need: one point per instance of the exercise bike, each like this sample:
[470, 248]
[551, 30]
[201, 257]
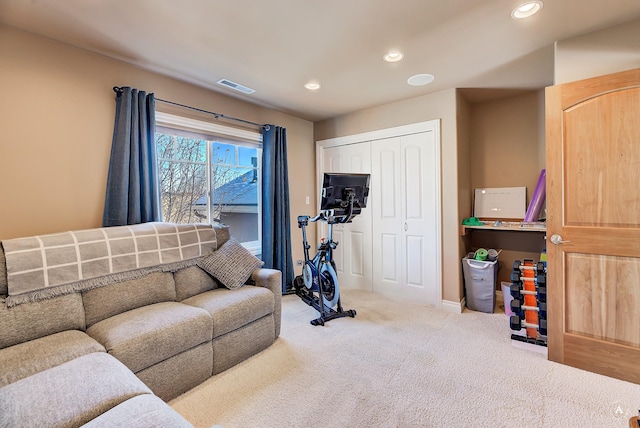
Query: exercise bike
[343, 197]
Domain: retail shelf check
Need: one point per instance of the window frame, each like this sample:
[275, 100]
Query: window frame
[213, 132]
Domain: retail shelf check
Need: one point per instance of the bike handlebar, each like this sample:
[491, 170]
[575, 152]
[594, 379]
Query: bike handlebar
[320, 216]
[329, 218]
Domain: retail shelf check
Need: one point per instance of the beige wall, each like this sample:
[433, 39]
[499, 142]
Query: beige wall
[57, 115]
[465, 189]
[441, 105]
[507, 142]
[598, 53]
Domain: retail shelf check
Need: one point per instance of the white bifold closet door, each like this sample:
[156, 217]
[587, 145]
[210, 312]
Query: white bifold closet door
[394, 247]
[353, 254]
[405, 217]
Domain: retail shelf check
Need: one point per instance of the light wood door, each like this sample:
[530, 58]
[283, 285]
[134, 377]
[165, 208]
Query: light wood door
[593, 212]
[404, 185]
[353, 254]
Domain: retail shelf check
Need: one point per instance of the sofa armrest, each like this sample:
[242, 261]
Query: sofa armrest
[271, 279]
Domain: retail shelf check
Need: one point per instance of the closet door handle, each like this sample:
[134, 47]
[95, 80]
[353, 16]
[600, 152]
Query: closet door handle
[406, 226]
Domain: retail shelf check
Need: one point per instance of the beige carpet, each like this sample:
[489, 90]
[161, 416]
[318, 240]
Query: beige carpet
[399, 365]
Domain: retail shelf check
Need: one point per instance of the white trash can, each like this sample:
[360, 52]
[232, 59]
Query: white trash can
[480, 284]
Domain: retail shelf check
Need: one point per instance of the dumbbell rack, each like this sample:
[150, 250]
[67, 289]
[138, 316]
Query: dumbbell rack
[529, 304]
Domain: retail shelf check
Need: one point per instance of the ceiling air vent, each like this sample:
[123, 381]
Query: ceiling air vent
[235, 86]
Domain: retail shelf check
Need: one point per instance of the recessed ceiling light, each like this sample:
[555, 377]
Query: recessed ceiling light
[312, 86]
[420, 79]
[527, 9]
[393, 56]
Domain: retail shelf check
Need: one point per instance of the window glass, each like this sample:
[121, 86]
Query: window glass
[204, 179]
[248, 156]
[224, 154]
[183, 177]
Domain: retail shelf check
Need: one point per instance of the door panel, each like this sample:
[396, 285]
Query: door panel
[387, 168]
[413, 180]
[415, 261]
[593, 204]
[353, 254]
[390, 265]
[357, 265]
[404, 181]
[420, 202]
[603, 176]
[601, 289]
[386, 177]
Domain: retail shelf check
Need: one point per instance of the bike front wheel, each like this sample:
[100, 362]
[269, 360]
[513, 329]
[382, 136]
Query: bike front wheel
[329, 285]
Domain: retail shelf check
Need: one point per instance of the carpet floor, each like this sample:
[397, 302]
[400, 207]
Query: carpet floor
[402, 365]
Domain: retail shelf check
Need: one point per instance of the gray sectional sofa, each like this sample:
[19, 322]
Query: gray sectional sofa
[111, 350]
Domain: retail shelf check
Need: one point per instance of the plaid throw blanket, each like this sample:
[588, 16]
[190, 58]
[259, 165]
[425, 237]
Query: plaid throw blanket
[41, 267]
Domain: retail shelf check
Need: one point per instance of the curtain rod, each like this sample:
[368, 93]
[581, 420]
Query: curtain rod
[117, 89]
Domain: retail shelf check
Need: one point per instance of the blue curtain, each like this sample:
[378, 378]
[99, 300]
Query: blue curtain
[133, 194]
[276, 222]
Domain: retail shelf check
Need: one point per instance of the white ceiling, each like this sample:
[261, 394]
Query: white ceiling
[276, 46]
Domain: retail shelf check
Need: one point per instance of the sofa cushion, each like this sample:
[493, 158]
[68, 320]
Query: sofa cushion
[32, 320]
[238, 345]
[28, 358]
[191, 281]
[231, 264]
[232, 309]
[145, 336]
[113, 299]
[180, 373]
[70, 394]
[142, 411]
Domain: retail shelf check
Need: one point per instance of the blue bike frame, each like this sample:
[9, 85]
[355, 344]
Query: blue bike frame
[318, 284]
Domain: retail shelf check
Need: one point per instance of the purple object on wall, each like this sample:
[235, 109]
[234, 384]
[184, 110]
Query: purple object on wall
[537, 201]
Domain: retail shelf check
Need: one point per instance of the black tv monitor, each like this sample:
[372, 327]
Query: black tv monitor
[338, 189]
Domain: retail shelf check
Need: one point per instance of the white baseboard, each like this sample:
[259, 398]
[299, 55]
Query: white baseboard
[455, 307]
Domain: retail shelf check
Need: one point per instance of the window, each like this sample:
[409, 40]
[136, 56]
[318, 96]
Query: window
[208, 174]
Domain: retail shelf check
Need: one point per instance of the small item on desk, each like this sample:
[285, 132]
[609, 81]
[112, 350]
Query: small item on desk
[533, 225]
[497, 223]
[472, 221]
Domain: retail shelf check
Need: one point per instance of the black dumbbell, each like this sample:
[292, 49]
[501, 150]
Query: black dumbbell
[542, 327]
[515, 276]
[540, 267]
[516, 265]
[542, 310]
[542, 294]
[515, 323]
[541, 278]
[516, 307]
[515, 290]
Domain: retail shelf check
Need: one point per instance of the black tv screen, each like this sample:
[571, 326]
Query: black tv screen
[335, 190]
